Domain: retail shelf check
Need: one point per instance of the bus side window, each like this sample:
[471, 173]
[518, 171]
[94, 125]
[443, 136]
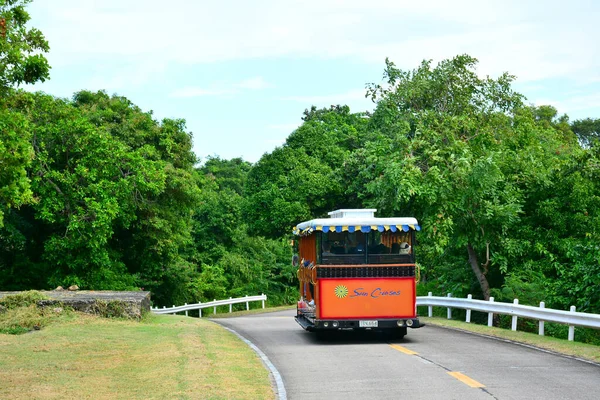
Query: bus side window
[327, 249]
[378, 244]
[295, 250]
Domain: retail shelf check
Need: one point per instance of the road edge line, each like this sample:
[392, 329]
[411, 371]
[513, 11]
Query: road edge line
[531, 346]
[272, 370]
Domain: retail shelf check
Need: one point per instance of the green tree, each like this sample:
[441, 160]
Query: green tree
[303, 178]
[217, 220]
[233, 260]
[587, 131]
[560, 233]
[155, 244]
[21, 61]
[228, 174]
[20, 47]
[16, 154]
[114, 191]
[459, 154]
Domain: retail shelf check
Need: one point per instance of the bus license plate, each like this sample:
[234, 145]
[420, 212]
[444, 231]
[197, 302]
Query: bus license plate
[367, 324]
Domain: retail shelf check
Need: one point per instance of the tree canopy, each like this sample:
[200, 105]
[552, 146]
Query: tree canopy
[110, 211]
[463, 160]
[303, 178]
[587, 131]
[21, 61]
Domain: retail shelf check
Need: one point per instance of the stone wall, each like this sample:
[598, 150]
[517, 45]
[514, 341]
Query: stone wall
[129, 304]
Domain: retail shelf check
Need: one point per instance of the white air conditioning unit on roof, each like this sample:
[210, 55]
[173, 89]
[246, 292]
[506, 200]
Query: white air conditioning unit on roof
[353, 213]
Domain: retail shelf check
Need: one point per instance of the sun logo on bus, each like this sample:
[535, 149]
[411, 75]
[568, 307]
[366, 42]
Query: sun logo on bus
[341, 291]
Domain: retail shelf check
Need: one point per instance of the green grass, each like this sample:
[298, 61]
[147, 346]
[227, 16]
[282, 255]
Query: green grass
[161, 357]
[581, 350]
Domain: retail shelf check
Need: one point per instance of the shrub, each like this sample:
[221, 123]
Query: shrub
[22, 299]
[21, 313]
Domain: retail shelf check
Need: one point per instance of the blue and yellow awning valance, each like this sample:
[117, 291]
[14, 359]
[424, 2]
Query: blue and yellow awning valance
[356, 228]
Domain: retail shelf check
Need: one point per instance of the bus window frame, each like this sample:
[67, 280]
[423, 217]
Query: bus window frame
[366, 258]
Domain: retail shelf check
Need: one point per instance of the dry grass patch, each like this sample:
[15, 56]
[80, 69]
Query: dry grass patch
[158, 358]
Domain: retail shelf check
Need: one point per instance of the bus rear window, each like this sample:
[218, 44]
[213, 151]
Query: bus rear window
[361, 248]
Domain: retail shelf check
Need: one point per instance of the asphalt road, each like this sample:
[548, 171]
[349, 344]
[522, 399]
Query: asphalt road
[429, 363]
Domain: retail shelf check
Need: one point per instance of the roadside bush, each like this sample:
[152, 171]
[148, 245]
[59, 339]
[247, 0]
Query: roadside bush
[23, 319]
[20, 313]
[23, 299]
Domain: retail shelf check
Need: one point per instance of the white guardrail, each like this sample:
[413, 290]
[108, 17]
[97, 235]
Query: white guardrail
[571, 318]
[216, 303]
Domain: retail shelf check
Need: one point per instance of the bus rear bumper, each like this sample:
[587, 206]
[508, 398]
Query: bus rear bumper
[357, 324]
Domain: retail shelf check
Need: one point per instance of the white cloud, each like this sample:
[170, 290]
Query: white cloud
[355, 99]
[117, 76]
[254, 83]
[572, 105]
[284, 127]
[153, 51]
[192, 91]
[274, 142]
[337, 98]
[222, 89]
[531, 42]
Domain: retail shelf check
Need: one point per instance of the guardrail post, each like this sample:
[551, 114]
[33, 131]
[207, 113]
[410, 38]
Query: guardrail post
[199, 311]
[263, 302]
[430, 308]
[449, 312]
[247, 305]
[541, 323]
[514, 318]
[468, 320]
[186, 314]
[230, 306]
[215, 308]
[571, 327]
[491, 315]
[174, 312]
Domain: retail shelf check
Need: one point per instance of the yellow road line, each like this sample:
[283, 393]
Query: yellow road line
[403, 349]
[466, 380]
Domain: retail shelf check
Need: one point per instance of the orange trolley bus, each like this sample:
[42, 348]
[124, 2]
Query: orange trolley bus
[357, 271]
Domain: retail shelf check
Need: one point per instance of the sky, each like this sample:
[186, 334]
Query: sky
[241, 73]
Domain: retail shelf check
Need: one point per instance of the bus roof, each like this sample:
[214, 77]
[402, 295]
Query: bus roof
[353, 220]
